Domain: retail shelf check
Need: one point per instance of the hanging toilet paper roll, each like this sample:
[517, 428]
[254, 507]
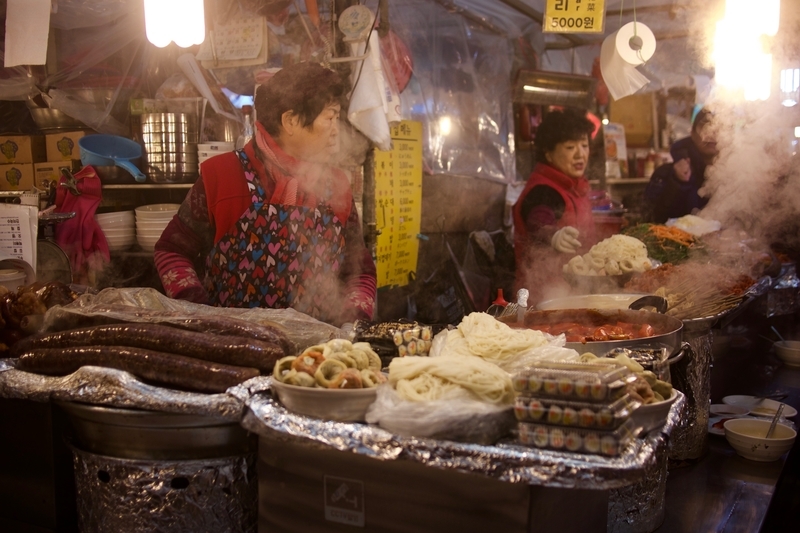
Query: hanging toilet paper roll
[633, 44]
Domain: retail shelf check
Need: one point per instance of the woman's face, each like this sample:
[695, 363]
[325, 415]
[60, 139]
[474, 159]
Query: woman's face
[570, 157]
[318, 142]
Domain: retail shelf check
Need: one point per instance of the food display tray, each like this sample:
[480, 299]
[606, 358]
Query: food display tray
[590, 415]
[579, 440]
[574, 381]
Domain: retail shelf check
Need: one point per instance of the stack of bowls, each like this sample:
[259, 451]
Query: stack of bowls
[170, 145]
[212, 148]
[118, 228]
[151, 221]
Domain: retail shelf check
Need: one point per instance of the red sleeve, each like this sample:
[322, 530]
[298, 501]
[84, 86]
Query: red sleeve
[179, 253]
[358, 273]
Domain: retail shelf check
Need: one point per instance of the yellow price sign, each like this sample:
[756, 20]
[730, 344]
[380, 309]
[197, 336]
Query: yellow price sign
[398, 204]
[574, 16]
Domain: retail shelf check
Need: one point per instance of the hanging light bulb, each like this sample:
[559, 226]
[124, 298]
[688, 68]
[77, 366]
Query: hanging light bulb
[182, 21]
[741, 61]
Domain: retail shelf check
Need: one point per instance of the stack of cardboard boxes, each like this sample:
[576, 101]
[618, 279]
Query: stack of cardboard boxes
[28, 161]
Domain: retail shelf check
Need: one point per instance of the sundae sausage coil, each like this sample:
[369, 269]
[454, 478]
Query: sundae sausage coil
[349, 378]
[372, 378]
[157, 367]
[283, 367]
[225, 349]
[301, 379]
[327, 371]
[308, 362]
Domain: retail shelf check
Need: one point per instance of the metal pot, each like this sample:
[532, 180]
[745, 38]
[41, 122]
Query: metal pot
[668, 329]
[137, 434]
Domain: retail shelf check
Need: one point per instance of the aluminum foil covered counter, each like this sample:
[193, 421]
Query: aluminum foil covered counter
[505, 461]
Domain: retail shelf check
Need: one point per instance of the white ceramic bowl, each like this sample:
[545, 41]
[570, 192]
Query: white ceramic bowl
[728, 411]
[118, 232]
[150, 232]
[748, 437]
[120, 217]
[342, 405]
[153, 222]
[654, 415]
[788, 352]
[765, 407]
[156, 211]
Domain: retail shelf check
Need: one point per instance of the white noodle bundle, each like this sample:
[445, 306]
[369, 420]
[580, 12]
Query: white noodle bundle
[618, 254]
[432, 378]
[483, 335]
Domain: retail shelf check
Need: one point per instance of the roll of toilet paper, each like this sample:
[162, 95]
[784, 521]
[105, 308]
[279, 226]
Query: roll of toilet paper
[633, 44]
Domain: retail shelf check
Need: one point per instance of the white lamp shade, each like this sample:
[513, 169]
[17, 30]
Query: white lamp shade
[181, 21]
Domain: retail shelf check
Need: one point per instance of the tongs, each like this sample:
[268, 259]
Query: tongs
[70, 182]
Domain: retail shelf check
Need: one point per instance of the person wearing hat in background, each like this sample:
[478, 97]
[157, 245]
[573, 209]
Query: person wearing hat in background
[274, 225]
[673, 189]
[553, 215]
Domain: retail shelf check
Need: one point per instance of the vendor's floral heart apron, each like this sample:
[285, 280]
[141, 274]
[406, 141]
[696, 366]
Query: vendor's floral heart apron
[278, 256]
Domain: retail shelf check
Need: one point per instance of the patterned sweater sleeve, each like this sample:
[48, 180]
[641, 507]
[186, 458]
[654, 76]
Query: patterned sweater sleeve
[358, 274]
[180, 252]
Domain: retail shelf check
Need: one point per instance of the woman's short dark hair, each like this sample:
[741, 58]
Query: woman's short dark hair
[306, 89]
[561, 126]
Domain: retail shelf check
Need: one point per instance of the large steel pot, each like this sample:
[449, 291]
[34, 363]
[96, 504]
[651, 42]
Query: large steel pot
[668, 329]
[137, 434]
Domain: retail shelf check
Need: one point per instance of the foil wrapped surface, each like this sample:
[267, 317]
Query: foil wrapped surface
[116, 388]
[692, 376]
[506, 461]
[639, 508]
[140, 496]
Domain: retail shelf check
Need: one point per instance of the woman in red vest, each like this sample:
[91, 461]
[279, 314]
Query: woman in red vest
[275, 224]
[553, 215]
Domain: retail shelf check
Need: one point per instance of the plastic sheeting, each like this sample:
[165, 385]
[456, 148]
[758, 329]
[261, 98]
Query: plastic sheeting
[460, 90]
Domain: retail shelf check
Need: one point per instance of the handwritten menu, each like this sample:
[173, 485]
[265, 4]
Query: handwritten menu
[18, 228]
[398, 195]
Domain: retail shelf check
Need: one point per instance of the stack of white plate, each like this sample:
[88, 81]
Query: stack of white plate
[118, 228]
[212, 148]
[151, 221]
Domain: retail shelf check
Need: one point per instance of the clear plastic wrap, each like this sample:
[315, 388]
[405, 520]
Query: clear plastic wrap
[461, 419]
[149, 305]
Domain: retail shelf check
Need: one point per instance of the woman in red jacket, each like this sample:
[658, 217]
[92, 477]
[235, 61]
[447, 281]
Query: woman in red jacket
[274, 225]
[553, 215]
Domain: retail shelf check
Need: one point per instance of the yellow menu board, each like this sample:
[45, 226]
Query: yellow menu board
[574, 16]
[398, 199]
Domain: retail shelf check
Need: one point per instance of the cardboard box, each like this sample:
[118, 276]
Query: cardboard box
[45, 173]
[63, 146]
[635, 113]
[22, 149]
[16, 177]
[305, 489]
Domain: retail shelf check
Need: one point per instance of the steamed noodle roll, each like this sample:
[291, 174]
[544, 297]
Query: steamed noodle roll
[482, 335]
[626, 266]
[612, 267]
[598, 263]
[430, 378]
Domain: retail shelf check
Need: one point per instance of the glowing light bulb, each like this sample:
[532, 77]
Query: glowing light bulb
[181, 21]
[445, 125]
[741, 63]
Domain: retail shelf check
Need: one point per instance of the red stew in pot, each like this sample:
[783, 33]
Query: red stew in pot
[607, 332]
